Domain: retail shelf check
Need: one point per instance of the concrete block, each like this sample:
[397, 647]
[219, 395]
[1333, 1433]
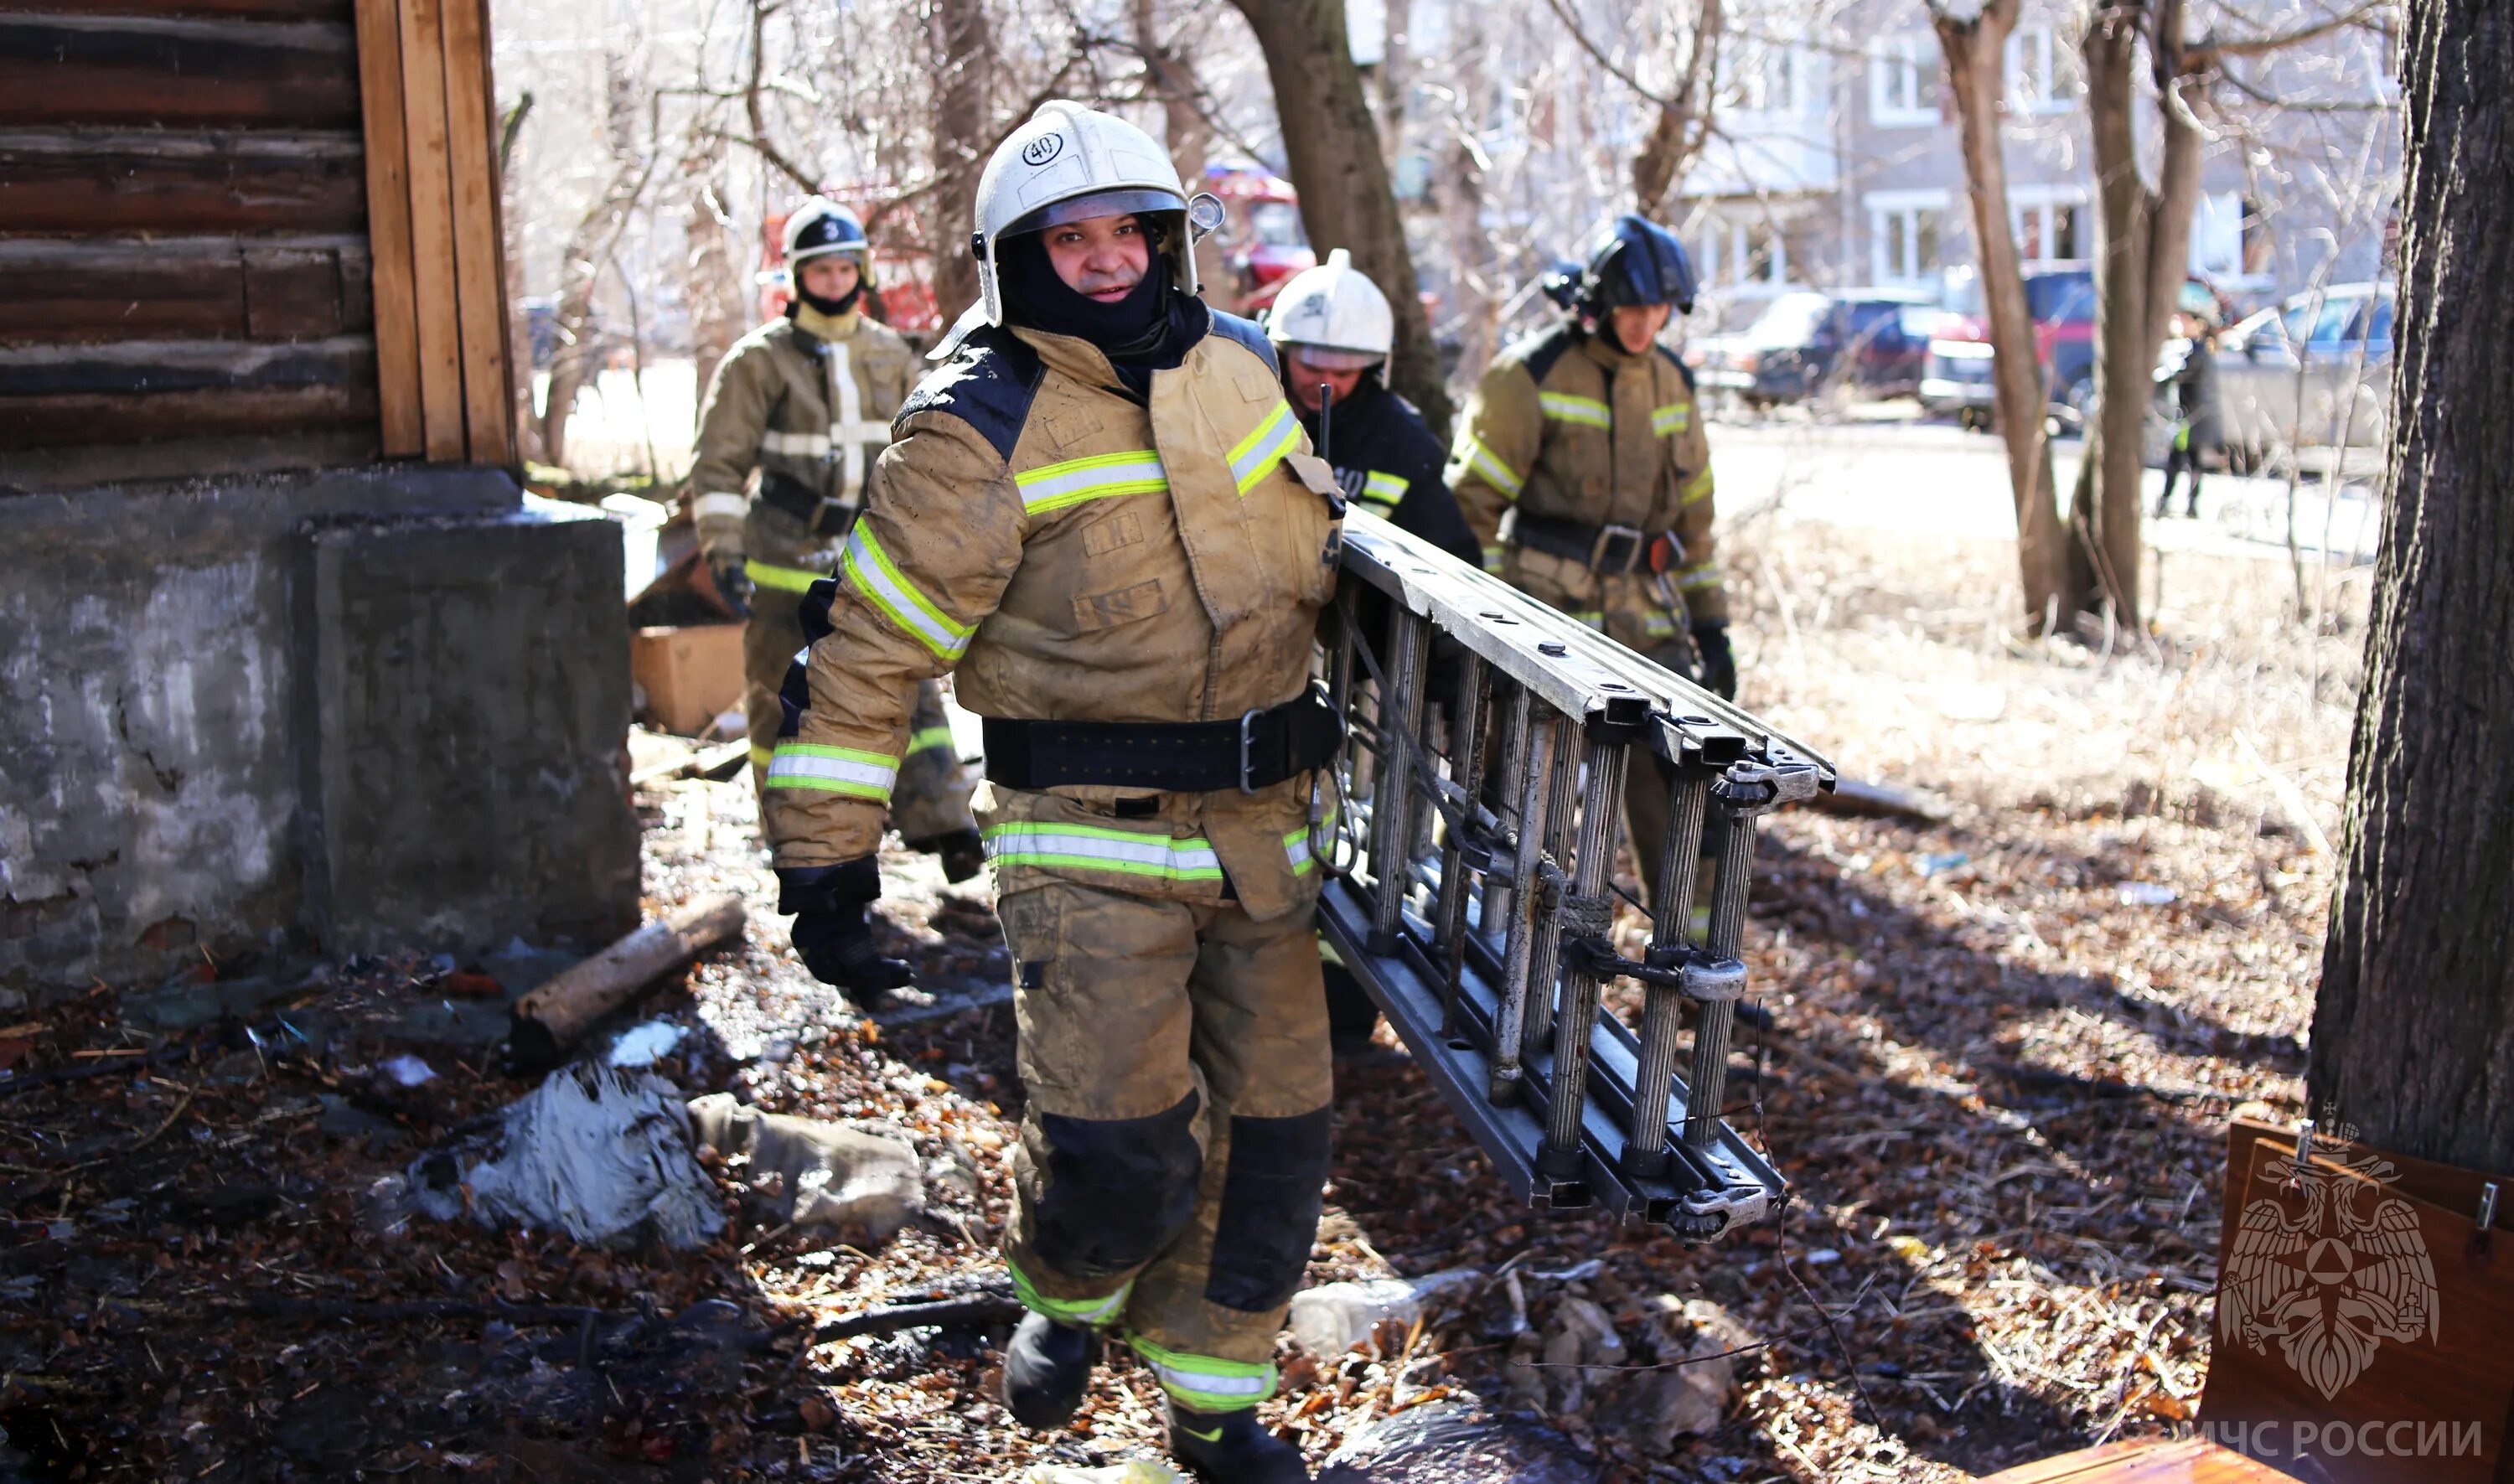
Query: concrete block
[465, 692]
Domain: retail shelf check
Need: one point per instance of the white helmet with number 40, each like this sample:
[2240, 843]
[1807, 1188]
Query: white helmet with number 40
[1335, 317]
[1070, 163]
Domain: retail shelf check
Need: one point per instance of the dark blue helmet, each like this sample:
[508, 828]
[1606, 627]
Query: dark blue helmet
[1640, 264]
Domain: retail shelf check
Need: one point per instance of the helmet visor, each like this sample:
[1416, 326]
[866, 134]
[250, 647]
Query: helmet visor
[1131, 201]
[1329, 358]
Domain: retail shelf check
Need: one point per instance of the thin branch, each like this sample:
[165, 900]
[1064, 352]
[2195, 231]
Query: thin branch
[2210, 49]
[2296, 105]
[1571, 24]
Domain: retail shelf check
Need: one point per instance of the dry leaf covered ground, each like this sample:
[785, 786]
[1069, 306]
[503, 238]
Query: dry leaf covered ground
[2003, 1049]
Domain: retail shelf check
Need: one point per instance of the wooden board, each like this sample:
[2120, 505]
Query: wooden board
[180, 182]
[2186, 1461]
[431, 230]
[176, 71]
[479, 251]
[388, 221]
[56, 396]
[341, 11]
[2445, 1398]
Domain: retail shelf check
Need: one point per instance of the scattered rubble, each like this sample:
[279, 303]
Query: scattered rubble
[807, 1172]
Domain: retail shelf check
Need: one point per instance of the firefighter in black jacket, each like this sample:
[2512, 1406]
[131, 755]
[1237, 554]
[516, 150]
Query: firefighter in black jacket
[1334, 333]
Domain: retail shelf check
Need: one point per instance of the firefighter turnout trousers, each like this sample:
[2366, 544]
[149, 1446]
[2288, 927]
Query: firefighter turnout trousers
[1175, 1148]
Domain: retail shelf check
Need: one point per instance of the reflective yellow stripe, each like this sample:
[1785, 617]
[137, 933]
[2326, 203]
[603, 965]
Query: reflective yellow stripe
[1206, 1382]
[1055, 486]
[780, 579]
[1492, 559]
[1086, 1311]
[1563, 407]
[929, 739]
[761, 755]
[1297, 847]
[1658, 625]
[1264, 445]
[1693, 579]
[1084, 847]
[1668, 421]
[831, 770]
[1496, 473]
[1384, 489]
[1695, 489]
[869, 567]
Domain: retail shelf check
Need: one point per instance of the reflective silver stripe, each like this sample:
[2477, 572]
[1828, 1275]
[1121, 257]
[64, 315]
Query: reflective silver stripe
[1692, 577]
[1668, 421]
[1567, 408]
[1264, 445]
[719, 503]
[849, 405]
[1496, 473]
[910, 610]
[1210, 1383]
[834, 770]
[795, 445]
[1083, 847]
[1056, 486]
[1384, 489]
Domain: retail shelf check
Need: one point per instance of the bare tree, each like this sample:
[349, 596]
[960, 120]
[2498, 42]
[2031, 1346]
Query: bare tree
[1680, 116]
[710, 275]
[964, 134]
[2414, 1026]
[1347, 198]
[1974, 39]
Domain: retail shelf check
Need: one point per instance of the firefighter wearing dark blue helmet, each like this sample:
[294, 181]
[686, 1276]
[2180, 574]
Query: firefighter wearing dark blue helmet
[1582, 464]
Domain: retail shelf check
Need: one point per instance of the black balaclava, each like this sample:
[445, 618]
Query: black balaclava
[832, 307]
[1135, 329]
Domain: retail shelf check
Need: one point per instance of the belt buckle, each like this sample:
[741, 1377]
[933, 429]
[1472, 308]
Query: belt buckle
[1599, 559]
[1248, 747]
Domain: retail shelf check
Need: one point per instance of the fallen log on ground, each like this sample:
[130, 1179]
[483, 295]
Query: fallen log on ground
[553, 1019]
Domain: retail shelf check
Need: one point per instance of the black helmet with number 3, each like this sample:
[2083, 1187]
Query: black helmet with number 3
[1640, 262]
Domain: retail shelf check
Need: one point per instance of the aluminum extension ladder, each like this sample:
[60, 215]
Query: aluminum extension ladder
[1486, 940]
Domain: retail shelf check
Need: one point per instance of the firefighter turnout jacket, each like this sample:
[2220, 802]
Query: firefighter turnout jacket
[1575, 434]
[1387, 461]
[1079, 554]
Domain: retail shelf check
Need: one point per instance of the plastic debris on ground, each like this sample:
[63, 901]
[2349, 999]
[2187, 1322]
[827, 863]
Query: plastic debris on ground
[602, 1156]
[644, 1045]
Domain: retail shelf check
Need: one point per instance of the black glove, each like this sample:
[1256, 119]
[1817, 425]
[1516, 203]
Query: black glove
[732, 584]
[1719, 668]
[831, 935]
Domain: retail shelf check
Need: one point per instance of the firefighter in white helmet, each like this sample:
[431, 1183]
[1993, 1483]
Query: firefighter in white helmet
[806, 400]
[1102, 516]
[1336, 335]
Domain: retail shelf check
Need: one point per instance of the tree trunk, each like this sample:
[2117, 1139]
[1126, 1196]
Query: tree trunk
[2104, 514]
[1331, 145]
[1458, 187]
[1676, 136]
[963, 72]
[1976, 49]
[2413, 1028]
[1184, 127]
[711, 278]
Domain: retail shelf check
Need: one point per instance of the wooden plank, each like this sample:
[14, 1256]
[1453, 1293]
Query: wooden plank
[431, 232]
[340, 11]
[2186, 1461]
[479, 249]
[180, 182]
[86, 292]
[389, 283]
[175, 71]
[55, 396]
[291, 293]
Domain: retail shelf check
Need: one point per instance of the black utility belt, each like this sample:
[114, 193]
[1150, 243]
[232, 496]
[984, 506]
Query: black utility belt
[819, 515]
[1259, 749]
[1600, 549]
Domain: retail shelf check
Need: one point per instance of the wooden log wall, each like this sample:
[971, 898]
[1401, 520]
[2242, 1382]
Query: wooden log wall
[267, 222]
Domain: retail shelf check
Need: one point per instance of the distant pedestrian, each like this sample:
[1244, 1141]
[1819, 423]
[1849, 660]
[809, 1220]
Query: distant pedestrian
[2197, 425]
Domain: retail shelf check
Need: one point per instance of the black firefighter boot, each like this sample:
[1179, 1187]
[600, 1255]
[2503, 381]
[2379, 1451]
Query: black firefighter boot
[1046, 1367]
[1233, 1448]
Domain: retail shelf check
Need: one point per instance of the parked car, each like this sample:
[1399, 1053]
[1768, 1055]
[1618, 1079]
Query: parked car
[1867, 343]
[2311, 372]
[1957, 379]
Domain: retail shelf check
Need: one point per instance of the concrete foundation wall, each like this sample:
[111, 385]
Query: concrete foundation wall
[377, 709]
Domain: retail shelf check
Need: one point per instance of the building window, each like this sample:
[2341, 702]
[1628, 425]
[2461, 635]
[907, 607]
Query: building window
[2051, 232]
[1903, 232]
[1763, 77]
[1745, 252]
[1903, 82]
[2042, 76]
